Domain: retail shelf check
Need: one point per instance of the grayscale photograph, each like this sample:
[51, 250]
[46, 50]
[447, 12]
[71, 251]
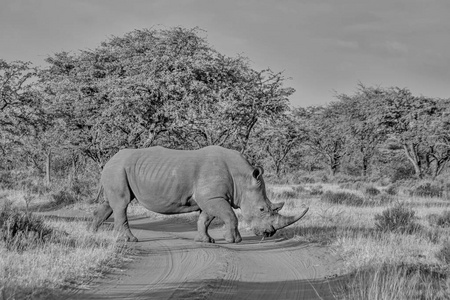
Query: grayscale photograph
[221, 150]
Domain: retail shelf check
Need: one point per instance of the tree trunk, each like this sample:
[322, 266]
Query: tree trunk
[278, 169]
[364, 166]
[412, 154]
[249, 129]
[333, 170]
[48, 162]
[334, 162]
[439, 166]
[73, 172]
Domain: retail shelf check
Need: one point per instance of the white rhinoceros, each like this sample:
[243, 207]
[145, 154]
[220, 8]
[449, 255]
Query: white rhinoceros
[212, 180]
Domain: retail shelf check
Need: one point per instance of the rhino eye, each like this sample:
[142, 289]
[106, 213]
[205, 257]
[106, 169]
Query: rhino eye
[261, 208]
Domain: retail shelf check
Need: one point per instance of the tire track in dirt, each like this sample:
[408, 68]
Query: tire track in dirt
[172, 266]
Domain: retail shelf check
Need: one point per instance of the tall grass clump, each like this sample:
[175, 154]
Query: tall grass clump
[292, 193]
[316, 190]
[426, 189]
[371, 191]
[20, 230]
[400, 282]
[444, 253]
[71, 191]
[440, 220]
[392, 190]
[344, 198]
[398, 219]
[38, 256]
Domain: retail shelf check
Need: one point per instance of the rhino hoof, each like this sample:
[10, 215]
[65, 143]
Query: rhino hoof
[236, 239]
[204, 239]
[132, 239]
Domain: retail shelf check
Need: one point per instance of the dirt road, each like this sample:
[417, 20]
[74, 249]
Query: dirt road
[172, 266]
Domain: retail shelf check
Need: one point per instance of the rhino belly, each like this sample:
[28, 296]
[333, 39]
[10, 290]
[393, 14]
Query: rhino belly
[163, 183]
[165, 204]
[170, 196]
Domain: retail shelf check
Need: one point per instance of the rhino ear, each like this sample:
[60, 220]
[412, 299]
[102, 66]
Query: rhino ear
[257, 172]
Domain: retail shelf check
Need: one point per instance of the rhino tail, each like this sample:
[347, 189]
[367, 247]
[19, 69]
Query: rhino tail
[99, 192]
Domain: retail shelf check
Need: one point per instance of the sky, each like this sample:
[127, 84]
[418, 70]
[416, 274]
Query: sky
[324, 47]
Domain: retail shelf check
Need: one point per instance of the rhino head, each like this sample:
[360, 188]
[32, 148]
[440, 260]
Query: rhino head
[259, 212]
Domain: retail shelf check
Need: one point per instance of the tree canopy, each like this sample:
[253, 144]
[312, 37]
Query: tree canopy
[170, 87]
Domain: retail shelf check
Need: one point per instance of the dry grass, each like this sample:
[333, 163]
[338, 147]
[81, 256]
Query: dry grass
[71, 256]
[399, 282]
[383, 264]
[374, 257]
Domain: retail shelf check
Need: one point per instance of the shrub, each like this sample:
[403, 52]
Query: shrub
[427, 189]
[284, 194]
[384, 182]
[371, 191]
[299, 189]
[397, 219]
[342, 198]
[81, 188]
[63, 197]
[444, 254]
[19, 230]
[382, 199]
[392, 190]
[324, 178]
[305, 179]
[442, 220]
[346, 185]
[402, 173]
[32, 186]
[433, 235]
[288, 194]
[353, 185]
[316, 190]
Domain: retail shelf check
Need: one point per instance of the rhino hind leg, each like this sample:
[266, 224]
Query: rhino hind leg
[100, 215]
[202, 225]
[222, 209]
[119, 198]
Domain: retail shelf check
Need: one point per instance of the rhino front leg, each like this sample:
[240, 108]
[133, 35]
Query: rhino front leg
[202, 226]
[222, 209]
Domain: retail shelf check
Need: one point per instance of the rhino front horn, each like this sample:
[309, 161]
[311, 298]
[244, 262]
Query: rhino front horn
[283, 221]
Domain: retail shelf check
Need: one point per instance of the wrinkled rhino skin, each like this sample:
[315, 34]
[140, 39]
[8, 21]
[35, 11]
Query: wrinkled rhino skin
[212, 180]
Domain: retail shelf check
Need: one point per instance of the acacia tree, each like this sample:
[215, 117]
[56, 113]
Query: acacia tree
[278, 139]
[16, 104]
[361, 125]
[409, 120]
[151, 87]
[23, 121]
[325, 134]
[226, 112]
[438, 137]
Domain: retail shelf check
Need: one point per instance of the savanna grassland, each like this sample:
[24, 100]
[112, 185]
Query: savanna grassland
[393, 239]
[41, 255]
[373, 166]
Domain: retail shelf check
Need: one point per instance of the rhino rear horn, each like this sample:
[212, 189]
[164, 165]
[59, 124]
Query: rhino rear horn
[283, 221]
[277, 206]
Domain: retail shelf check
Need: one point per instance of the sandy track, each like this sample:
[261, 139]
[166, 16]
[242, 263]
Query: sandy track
[172, 266]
